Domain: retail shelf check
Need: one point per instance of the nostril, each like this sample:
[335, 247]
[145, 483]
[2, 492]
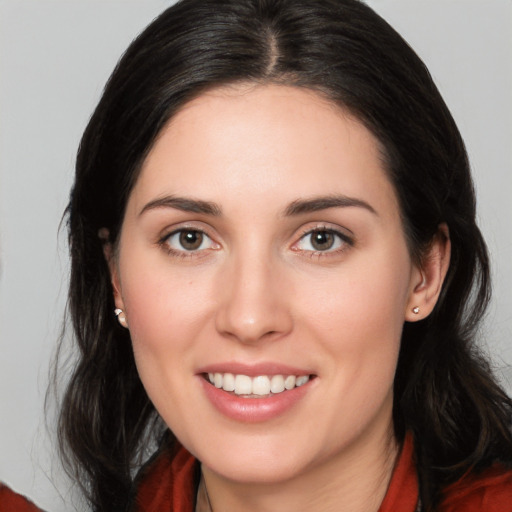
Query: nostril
[251, 314]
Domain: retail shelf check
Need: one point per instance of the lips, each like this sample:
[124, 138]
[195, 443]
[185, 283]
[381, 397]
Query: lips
[255, 393]
[255, 387]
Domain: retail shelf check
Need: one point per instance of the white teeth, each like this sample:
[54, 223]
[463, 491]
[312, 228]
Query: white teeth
[243, 385]
[262, 385]
[228, 383]
[301, 380]
[277, 384]
[289, 382]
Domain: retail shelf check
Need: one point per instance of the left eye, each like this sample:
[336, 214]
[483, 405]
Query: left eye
[189, 240]
[321, 240]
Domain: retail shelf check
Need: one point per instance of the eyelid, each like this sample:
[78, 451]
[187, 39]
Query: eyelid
[170, 231]
[185, 226]
[346, 239]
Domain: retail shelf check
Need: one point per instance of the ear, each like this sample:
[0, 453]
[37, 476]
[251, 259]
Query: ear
[109, 253]
[428, 277]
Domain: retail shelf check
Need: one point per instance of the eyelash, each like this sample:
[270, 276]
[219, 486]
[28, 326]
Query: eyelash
[343, 240]
[183, 253]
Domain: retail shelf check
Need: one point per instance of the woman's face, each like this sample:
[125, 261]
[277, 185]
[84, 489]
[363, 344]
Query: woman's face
[262, 244]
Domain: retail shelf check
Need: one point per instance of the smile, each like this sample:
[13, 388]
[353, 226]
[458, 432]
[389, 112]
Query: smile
[256, 387]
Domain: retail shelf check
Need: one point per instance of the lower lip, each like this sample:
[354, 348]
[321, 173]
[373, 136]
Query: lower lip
[253, 410]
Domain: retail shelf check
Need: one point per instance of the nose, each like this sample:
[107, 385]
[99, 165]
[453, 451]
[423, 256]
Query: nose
[254, 301]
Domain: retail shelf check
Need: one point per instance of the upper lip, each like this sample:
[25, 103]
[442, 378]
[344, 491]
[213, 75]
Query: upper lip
[253, 370]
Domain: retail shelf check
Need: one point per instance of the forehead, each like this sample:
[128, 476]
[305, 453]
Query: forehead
[268, 141]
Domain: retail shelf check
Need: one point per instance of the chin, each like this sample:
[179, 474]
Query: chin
[254, 459]
[254, 471]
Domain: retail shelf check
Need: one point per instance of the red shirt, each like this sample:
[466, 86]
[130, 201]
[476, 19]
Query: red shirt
[12, 502]
[169, 484]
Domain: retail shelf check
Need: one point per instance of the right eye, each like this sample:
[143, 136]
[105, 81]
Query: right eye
[188, 240]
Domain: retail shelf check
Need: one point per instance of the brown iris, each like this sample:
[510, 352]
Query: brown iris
[322, 240]
[191, 240]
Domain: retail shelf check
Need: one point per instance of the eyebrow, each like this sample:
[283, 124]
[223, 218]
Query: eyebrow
[315, 204]
[184, 204]
[298, 207]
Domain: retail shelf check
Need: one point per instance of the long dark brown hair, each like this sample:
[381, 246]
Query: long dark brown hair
[444, 391]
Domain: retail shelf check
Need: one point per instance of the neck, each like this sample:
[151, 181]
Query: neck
[355, 480]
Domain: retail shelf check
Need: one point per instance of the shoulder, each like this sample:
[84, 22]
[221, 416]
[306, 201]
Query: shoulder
[12, 502]
[489, 491]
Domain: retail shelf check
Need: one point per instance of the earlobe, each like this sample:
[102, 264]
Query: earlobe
[428, 279]
[121, 317]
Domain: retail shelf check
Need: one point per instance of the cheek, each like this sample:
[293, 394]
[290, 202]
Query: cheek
[162, 313]
[164, 321]
[358, 301]
[157, 298]
[358, 316]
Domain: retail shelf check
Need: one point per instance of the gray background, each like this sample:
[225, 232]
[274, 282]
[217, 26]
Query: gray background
[54, 59]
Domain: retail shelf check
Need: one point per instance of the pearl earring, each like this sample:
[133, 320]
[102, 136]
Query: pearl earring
[416, 310]
[121, 317]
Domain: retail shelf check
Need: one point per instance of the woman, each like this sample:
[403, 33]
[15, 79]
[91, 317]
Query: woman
[275, 201]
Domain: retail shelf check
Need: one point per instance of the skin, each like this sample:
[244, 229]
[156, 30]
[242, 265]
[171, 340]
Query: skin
[257, 290]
